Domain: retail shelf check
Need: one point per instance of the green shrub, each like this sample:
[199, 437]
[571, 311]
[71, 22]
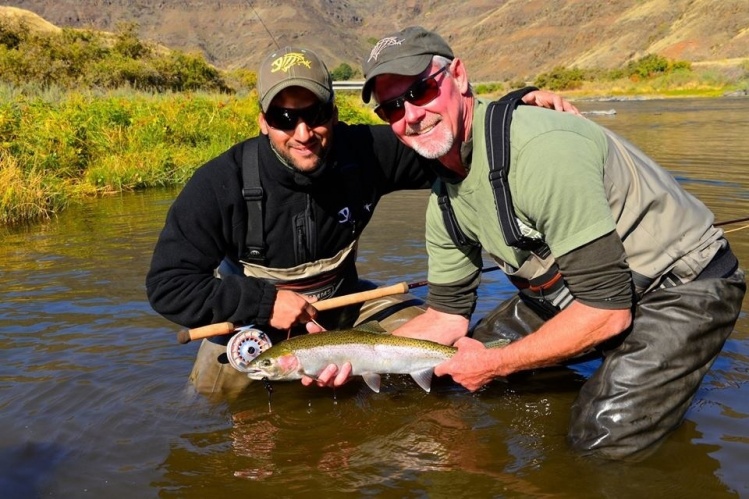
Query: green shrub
[342, 72]
[488, 88]
[241, 79]
[351, 110]
[75, 59]
[127, 43]
[12, 36]
[647, 66]
[561, 78]
[652, 65]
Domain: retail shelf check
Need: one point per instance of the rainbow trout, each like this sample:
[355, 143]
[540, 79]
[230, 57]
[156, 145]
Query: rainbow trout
[369, 349]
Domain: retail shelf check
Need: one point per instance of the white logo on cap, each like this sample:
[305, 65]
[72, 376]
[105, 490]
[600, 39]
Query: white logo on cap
[381, 45]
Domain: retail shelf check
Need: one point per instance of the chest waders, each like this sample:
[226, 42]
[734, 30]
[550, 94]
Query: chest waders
[312, 276]
[220, 359]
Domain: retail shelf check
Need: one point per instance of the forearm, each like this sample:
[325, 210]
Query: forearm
[435, 326]
[572, 332]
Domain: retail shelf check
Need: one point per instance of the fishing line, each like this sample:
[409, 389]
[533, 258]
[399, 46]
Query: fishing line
[263, 24]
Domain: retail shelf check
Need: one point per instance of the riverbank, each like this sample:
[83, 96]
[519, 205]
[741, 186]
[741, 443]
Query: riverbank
[704, 81]
[58, 147]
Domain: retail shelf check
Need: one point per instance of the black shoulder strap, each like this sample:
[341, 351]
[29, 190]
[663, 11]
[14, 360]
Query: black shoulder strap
[498, 120]
[497, 129]
[252, 191]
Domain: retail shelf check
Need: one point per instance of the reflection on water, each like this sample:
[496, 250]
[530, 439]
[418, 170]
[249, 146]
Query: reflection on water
[95, 400]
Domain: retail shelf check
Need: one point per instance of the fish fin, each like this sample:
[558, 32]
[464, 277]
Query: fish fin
[424, 378]
[497, 343]
[372, 380]
[371, 327]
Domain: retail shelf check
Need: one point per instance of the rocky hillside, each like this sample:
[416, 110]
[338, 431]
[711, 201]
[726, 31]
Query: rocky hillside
[499, 40]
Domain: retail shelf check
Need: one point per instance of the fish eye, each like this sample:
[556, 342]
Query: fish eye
[265, 363]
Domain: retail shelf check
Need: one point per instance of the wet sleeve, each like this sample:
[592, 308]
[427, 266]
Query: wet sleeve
[597, 273]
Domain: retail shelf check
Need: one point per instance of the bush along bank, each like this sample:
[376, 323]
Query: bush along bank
[53, 151]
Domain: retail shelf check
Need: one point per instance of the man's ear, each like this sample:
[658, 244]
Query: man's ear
[460, 75]
[262, 123]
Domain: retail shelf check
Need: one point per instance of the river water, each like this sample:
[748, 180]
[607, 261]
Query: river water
[94, 398]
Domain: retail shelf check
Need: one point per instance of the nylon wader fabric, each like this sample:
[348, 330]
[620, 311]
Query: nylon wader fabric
[646, 383]
[211, 376]
[649, 373]
[511, 320]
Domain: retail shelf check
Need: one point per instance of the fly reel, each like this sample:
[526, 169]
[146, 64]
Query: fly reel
[244, 346]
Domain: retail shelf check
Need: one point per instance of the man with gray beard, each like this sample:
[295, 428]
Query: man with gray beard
[610, 255]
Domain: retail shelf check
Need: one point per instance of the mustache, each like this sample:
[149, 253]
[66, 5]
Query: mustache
[418, 128]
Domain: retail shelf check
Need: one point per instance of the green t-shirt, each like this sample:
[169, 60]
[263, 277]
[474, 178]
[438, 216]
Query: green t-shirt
[556, 180]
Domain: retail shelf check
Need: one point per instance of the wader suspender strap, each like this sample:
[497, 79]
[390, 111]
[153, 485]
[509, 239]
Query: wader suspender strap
[253, 195]
[497, 134]
[252, 191]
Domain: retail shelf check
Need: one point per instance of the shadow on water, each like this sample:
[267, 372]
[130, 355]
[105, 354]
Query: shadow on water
[95, 401]
[25, 468]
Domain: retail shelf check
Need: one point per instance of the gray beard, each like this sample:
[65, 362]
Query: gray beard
[434, 150]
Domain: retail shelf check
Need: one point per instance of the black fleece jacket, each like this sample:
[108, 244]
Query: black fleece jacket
[208, 222]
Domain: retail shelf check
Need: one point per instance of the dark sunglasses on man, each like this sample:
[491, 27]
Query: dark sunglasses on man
[286, 119]
[419, 93]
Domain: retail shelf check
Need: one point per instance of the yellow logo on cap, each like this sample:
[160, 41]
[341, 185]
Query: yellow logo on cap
[287, 61]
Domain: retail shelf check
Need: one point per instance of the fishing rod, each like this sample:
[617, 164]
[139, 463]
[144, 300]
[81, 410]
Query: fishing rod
[734, 221]
[221, 328]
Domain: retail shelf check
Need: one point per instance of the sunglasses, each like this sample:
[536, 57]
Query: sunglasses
[420, 93]
[286, 119]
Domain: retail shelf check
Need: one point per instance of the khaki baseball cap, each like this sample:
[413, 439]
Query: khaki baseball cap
[293, 67]
[407, 52]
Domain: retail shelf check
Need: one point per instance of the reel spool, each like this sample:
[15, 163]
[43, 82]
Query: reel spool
[244, 346]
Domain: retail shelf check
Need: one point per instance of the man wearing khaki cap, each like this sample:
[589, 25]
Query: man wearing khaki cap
[278, 218]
